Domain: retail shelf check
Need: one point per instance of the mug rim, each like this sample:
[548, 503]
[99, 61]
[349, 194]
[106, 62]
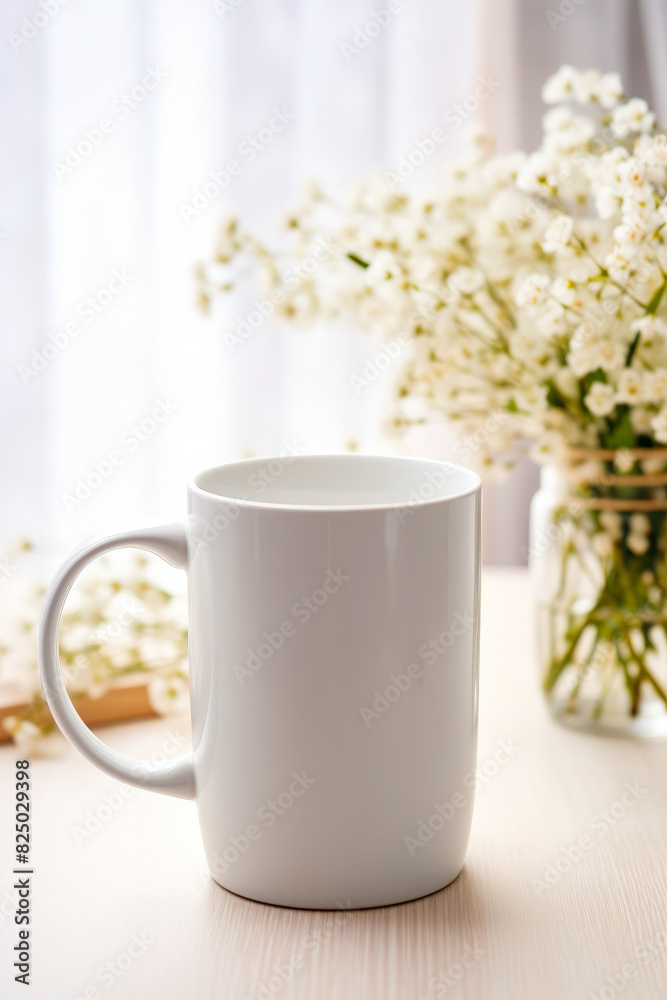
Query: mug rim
[196, 489]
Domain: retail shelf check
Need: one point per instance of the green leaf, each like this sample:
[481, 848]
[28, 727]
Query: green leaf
[652, 307]
[632, 349]
[357, 260]
[621, 434]
[587, 381]
[555, 398]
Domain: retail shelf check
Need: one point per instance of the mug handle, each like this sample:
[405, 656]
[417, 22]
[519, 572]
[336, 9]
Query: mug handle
[175, 777]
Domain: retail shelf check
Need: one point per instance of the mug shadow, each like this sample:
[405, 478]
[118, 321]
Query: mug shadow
[420, 937]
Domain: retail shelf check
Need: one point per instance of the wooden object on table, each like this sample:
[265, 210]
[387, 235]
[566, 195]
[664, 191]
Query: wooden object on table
[121, 702]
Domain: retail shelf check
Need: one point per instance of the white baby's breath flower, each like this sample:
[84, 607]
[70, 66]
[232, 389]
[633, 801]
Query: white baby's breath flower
[535, 173]
[652, 150]
[650, 328]
[655, 386]
[611, 356]
[547, 448]
[653, 466]
[612, 523]
[640, 420]
[467, 280]
[659, 425]
[607, 201]
[168, 695]
[31, 741]
[630, 387]
[583, 360]
[638, 544]
[552, 319]
[632, 117]
[599, 399]
[624, 459]
[610, 90]
[640, 524]
[533, 290]
[632, 171]
[558, 234]
[562, 86]
[619, 260]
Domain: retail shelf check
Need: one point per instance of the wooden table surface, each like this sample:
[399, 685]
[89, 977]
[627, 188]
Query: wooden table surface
[563, 894]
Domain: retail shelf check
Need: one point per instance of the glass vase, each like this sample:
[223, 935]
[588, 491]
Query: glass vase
[599, 573]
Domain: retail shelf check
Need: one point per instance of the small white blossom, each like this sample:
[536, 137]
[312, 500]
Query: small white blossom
[632, 117]
[599, 399]
[607, 201]
[640, 524]
[630, 387]
[659, 425]
[655, 386]
[467, 280]
[533, 290]
[612, 523]
[650, 328]
[603, 544]
[610, 90]
[558, 234]
[610, 356]
[638, 544]
[168, 695]
[562, 86]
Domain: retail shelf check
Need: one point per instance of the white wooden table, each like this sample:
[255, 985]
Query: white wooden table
[555, 900]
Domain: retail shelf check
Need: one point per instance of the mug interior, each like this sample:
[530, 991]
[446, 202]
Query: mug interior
[337, 481]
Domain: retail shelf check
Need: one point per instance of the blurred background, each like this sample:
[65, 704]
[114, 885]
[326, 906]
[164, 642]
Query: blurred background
[115, 116]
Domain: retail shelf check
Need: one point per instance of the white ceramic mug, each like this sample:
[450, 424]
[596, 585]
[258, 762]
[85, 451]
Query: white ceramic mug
[334, 624]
